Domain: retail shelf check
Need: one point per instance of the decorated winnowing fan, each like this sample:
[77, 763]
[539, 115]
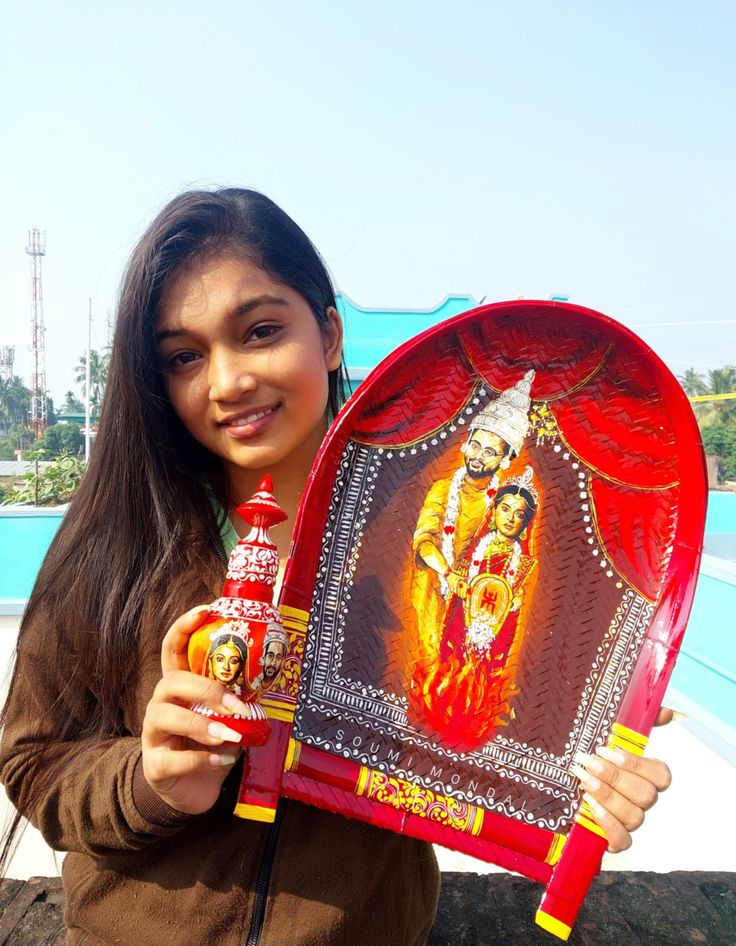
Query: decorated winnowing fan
[492, 569]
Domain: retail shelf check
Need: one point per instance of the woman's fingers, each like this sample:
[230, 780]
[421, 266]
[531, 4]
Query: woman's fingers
[165, 768]
[166, 720]
[183, 687]
[617, 835]
[176, 642]
[668, 715]
[173, 772]
[622, 787]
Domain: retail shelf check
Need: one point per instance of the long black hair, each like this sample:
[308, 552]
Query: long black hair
[143, 497]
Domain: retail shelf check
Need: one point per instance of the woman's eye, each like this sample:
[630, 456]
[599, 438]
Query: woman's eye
[259, 332]
[180, 360]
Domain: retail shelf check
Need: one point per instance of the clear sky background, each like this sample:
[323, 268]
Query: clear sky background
[492, 148]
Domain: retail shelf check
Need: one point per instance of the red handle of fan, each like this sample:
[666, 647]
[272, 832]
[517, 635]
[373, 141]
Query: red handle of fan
[581, 856]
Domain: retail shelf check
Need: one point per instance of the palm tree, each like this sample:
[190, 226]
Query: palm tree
[98, 367]
[15, 402]
[72, 404]
[693, 383]
[719, 381]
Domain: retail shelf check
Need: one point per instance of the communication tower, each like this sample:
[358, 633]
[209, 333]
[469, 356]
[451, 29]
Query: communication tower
[7, 359]
[36, 249]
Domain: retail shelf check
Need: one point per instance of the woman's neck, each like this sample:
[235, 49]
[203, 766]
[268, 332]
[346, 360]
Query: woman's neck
[289, 482]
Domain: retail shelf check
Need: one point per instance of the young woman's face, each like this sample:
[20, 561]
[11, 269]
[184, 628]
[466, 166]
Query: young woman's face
[510, 516]
[246, 364]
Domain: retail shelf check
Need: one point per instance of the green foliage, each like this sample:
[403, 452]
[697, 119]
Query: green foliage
[72, 404]
[720, 440]
[716, 418]
[49, 485]
[59, 440]
[98, 367]
[15, 402]
[719, 381]
[19, 437]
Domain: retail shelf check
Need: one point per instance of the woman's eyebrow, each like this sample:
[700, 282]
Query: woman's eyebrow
[237, 312]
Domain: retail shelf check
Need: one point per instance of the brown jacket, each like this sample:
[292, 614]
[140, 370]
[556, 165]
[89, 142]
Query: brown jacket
[138, 872]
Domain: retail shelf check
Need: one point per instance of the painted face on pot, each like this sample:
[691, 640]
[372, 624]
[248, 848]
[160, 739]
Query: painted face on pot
[226, 663]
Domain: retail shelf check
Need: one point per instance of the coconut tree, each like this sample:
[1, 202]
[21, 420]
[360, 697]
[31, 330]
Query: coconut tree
[693, 383]
[717, 411]
[72, 404]
[98, 366]
[15, 401]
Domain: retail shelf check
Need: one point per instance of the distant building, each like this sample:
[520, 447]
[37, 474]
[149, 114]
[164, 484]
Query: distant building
[371, 334]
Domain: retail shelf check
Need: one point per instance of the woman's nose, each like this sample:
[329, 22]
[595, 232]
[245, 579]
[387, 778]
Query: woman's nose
[229, 375]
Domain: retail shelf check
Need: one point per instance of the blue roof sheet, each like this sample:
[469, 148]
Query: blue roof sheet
[371, 334]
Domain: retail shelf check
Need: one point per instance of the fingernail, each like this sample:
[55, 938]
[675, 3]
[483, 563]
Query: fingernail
[231, 702]
[613, 755]
[585, 777]
[678, 716]
[589, 762]
[217, 761]
[221, 731]
[200, 608]
[595, 806]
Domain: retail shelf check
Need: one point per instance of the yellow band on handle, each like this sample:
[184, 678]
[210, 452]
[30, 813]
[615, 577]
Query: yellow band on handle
[552, 925]
[255, 812]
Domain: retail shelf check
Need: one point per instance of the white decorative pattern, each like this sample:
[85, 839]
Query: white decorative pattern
[328, 695]
[247, 610]
[251, 563]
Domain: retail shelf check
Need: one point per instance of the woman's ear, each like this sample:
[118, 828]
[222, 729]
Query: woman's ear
[332, 338]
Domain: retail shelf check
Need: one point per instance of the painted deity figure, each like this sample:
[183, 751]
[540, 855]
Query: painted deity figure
[227, 662]
[275, 649]
[456, 509]
[483, 635]
[460, 516]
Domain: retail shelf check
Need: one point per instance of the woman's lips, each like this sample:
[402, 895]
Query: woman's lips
[245, 426]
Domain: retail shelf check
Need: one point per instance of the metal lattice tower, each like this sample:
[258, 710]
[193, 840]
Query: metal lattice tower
[7, 359]
[36, 249]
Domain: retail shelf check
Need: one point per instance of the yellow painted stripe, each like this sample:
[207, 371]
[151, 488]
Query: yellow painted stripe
[477, 822]
[364, 777]
[555, 849]
[292, 755]
[631, 734]
[255, 812]
[294, 614]
[590, 825]
[553, 925]
[280, 713]
[628, 739]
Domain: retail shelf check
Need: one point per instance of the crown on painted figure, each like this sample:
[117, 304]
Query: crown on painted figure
[508, 415]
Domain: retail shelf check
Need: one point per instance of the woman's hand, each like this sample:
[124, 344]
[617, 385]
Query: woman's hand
[186, 756]
[620, 787]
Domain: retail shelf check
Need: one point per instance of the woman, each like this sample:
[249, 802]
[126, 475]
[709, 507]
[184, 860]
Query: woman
[226, 364]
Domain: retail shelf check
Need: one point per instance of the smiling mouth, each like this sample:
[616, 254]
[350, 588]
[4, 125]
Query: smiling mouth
[248, 419]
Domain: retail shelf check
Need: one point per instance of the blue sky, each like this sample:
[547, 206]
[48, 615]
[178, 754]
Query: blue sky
[482, 147]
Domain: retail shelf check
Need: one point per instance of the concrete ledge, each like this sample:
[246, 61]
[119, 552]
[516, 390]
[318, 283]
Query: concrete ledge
[623, 908]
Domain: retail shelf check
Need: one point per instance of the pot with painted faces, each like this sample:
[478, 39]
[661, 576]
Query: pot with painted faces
[242, 644]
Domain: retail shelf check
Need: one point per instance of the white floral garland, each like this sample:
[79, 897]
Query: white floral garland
[479, 553]
[452, 511]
